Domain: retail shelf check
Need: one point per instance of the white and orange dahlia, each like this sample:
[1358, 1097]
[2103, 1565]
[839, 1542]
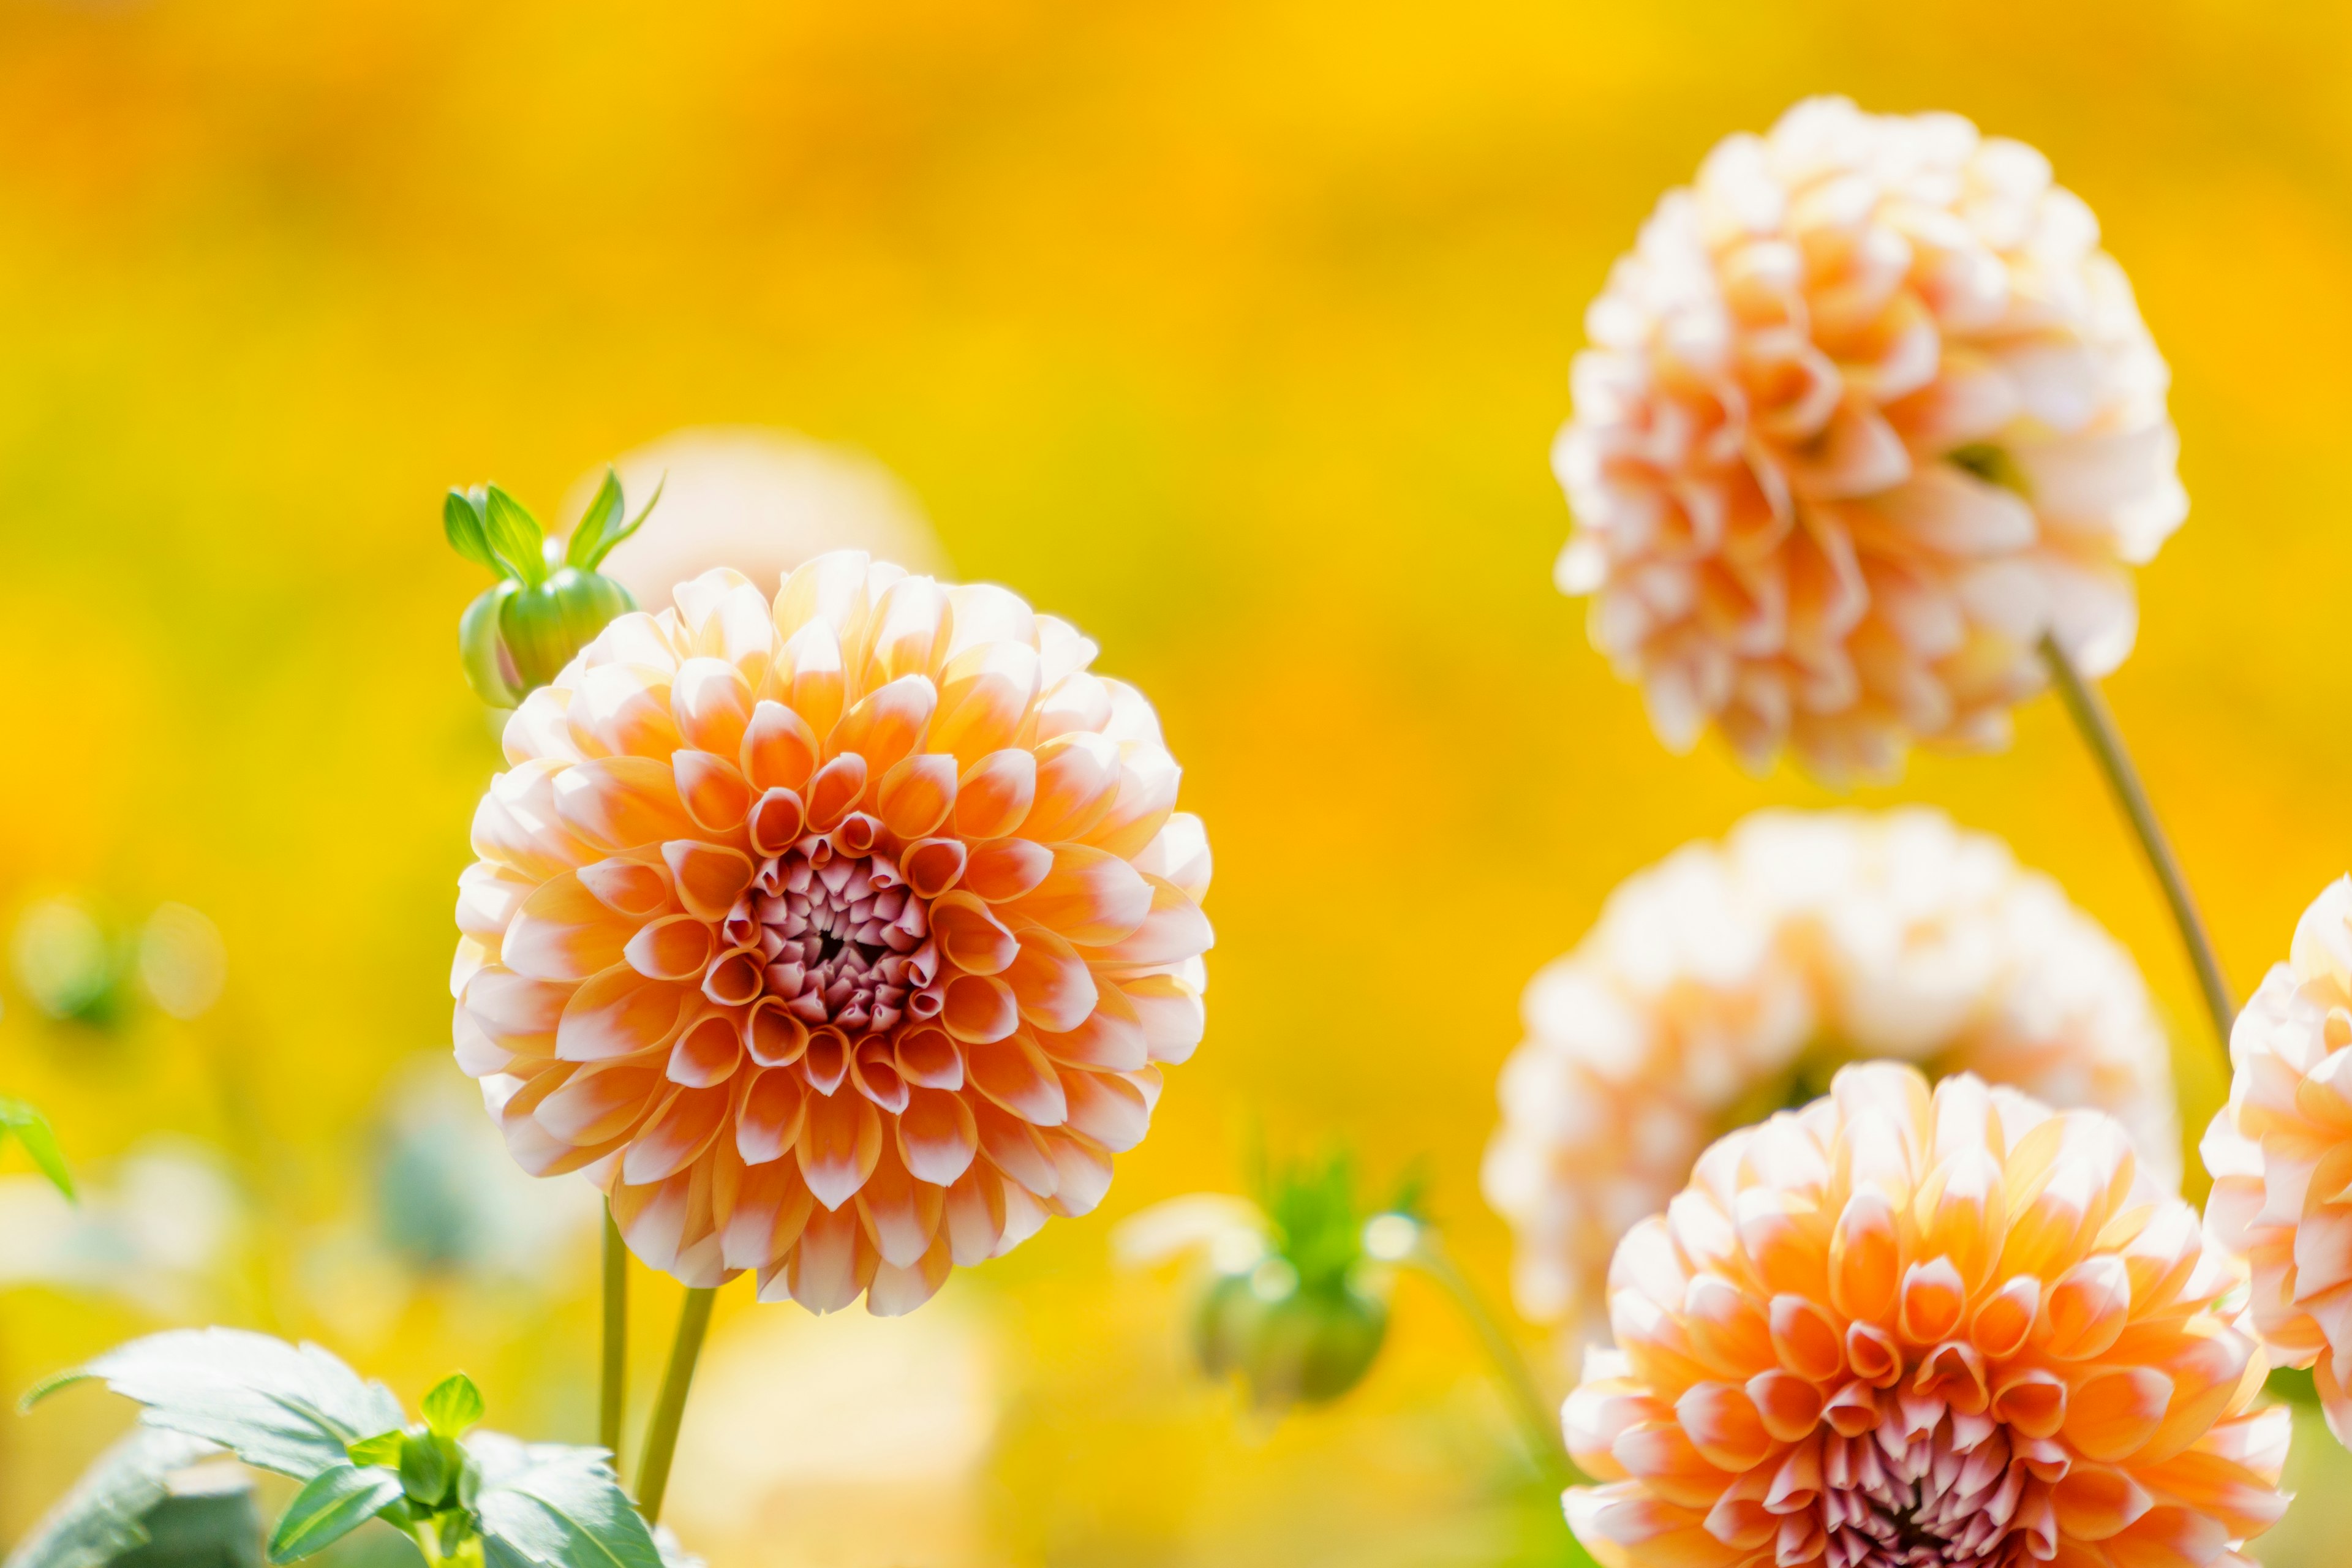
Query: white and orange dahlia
[1866, 413]
[838, 938]
[2280, 1153]
[1906, 1328]
[1731, 980]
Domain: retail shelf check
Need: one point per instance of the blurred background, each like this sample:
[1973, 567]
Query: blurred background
[1237, 333]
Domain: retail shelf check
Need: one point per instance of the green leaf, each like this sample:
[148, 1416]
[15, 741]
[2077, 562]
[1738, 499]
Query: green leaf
[288, 1408]
[335, 1502]
[461, 519]
[454, 1405]
[514, 536]
[588, 542]
[383, 1448]
[105, 1514]
[544, 1505]
[426, 1462]
[32, 1130]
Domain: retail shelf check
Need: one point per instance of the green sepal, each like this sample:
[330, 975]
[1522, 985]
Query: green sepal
[32, 1130]
[462, 521]
[426, 1463]
[481, 651]
[453, 1406]
[383, 1448]
[601, 526]
[543, 627]
[514, 536]
[335, 1502]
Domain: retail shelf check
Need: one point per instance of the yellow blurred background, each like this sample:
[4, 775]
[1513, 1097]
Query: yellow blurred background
[1235, 333]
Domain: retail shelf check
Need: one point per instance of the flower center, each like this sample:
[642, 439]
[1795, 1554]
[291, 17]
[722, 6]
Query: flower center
[1933, 1499]
[843, 939]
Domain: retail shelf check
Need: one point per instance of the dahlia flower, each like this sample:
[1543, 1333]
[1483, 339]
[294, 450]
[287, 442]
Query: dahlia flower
[1729, 981]
[840, 939]
[2280, 1153]
[1904, 1328]
[1866, 413]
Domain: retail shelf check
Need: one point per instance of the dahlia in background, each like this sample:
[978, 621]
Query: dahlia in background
[2280, 1153]
[838, 938]
[1866, 413]
[1904, 1328]
[1730, 981]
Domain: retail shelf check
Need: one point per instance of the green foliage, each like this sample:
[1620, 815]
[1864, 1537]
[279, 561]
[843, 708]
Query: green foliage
[519, 633]
[514, 537]
[601, 528]
[33, 1131]
[107, 1513]
[299, 1411]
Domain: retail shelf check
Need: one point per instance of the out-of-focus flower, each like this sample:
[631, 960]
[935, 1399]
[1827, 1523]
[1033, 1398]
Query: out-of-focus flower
[839, 939]
[156, 1229]
[183, 960]
[549, 600]
[1729, 981]
[1296, 1300]
[1906, 1328]
[2280, 1153]
[761, 502]
[75, 969]
[1866, 411]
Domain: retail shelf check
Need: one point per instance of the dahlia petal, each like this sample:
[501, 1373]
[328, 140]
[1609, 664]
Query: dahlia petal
[621, 803]
[985, 695]
[712, 701]
[980, 1009]
[1011, 1071]
[915, 796]
[1179, 853]
[654, 1218]
[1174, 930]
[489, 894]
[1077, 703]
[911, 633]
[601, 1102]
[713, 793]
[835, 790]
[679, 1130]
[897, 1292]
[995, 796]
[1051, 984]
[899, 1215]
[886, 724]
[831, 1263]
[779, 749]
[1081, 1170]
[1001, 870]
[708, 1053]
[930, 1058]
[933, 865]
[517, 1012]
[825, 588]
[771, 1035]
[973, 1215]
[675, 948]
[517, 824]
[1090, 897]
[1013, 1148]
[632, 885]
[876, 1075]
[769, 1123]
[970, 936]
[1024, 1215]
[1106, 1108]
[620, 1013]
[1077, 783]
[1169, 1013]
[984, 613]
[769, 1213]
[840, 1141]
[618, 710]
[937, 1136]
[540, 729]
[809, 676]
[1110, 1037]
[2112, 1414]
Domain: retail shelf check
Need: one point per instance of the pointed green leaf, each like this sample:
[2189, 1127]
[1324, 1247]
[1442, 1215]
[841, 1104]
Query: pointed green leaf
[104, 1516]
[514, 536]
[587, 557]
[335, 1502]
[547, 1506]
[589, 541]
[424, 1468]
[288, 1408]
[383, 1448]
[454, 1405]
[461, 519]
[32, 1130]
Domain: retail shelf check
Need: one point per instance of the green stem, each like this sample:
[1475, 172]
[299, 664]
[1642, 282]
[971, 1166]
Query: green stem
[1538, 1421]
[613, 1392]
[669, 1409]
[2099, 732]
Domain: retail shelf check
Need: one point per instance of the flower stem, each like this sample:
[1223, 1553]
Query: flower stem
[613, 1389]
[1538, 1422]
[2099, 732]
[669, 1409]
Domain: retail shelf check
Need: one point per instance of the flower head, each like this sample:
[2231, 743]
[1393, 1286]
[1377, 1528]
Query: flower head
[838, 938]
[1913, 1328]
[2280, 1153]
[1866, 413]
[1729, 981]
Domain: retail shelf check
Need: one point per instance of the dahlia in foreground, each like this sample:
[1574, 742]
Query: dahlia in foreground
[1904, 1328]
[2280, 1153]
[1730, 981]
[839, 938]
[1866, 411]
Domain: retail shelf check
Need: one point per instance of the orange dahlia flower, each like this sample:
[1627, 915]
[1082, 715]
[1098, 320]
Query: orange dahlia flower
[840, 938]
[1866, 411]
[1731, 980]
[2280, 1153]
[1904, 1328]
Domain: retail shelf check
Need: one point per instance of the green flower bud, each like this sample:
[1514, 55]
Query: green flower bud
[1289, 1344]
[549, 601]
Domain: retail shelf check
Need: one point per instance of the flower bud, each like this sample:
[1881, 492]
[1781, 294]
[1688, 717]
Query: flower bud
[550, 601]
[1290, 1345]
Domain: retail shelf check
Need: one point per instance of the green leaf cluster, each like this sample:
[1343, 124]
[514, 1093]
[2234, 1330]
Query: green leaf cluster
[115, 1508]
[519, 632]
[33, 1131]
[456, 1491]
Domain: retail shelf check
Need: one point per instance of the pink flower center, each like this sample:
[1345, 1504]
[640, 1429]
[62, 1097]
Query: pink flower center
[839, 938]
[1901, 1498]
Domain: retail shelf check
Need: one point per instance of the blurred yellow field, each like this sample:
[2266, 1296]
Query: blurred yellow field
[1236, 336]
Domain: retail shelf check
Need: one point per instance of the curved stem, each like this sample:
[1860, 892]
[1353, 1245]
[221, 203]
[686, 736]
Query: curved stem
[613, 1390]
[1538, 1422]
[2098, 728]
[669, 1409]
